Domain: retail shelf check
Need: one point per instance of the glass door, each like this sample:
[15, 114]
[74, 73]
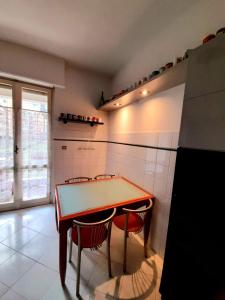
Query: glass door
[34, 160]
[7, 165]
[24, 153]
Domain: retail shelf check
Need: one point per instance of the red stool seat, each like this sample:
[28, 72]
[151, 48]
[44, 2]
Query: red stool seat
[91, 236]
[135, 222]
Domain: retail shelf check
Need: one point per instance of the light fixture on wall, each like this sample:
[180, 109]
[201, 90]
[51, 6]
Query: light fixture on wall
[117, 104]
[144, 92]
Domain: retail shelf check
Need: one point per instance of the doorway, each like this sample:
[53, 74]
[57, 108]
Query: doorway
[24, 145]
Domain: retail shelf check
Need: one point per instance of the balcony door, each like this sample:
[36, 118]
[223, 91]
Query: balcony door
[24, 145]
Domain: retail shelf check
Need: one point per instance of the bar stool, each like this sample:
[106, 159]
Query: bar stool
[131, 221]
[77, 179]
[91, 235]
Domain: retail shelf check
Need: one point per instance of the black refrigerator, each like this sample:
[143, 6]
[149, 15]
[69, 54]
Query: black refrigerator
[194, 262]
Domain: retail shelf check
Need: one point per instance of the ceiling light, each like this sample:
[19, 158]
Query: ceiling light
[117, 104]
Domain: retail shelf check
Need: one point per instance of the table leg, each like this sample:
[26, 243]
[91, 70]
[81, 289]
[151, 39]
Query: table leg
[62, 254]
[147, 223]
[56, 218]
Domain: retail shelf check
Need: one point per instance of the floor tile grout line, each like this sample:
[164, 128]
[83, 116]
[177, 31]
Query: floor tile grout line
[16, 231]
[42, 264]
[10, 235]
[31, 258]
[8, 289]
[9, 255]
[35, 262]
[23, 275]
[17, 250]
[5, 285]
[11, 289]
[49, 267]
[37, 233]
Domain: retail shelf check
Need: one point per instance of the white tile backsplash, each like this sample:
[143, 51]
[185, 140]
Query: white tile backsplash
[163, 157]
[153, 169]
[151, 155]
[79, 159]
[165, 139]
[149, 168]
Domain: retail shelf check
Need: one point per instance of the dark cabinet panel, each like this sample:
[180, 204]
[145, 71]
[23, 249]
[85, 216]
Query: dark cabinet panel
[194, 264]
[206, 69]
[203, 122]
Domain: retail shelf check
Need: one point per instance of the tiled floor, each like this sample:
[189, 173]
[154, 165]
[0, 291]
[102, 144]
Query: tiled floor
[29, 263]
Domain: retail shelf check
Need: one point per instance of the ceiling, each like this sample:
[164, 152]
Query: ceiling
[100, 35]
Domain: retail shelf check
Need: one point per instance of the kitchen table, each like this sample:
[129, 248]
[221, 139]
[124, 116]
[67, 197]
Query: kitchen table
[86, 198]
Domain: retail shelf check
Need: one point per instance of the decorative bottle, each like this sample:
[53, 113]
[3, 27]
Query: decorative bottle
[102, 100]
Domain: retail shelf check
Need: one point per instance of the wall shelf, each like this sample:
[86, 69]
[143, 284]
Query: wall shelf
[168, 79]
[91, 123]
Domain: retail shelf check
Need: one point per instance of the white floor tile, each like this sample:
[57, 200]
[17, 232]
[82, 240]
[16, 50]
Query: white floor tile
[13, 268]
[50, 231]
[12, 216]
[3, 219]
[36, 282]
[56, 291]
[99, 279]
[50, 259]
[18, 239]
[34, 269]
[5, 253]
[11, 295]
[3, 289]
[38, 246]
[7, 229]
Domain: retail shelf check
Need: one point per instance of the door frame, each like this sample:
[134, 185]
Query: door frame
[17, 87]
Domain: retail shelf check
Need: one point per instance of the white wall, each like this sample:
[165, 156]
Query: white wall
[170, 41]
[27, 64]
[76, 91]
[80, 96]
[153, 122]
[156, 122]
[161, 112]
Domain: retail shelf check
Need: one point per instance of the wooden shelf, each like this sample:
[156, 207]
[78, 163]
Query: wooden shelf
[91, 123]
[169, 78]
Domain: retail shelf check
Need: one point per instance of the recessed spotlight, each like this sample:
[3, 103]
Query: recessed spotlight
[117, 104]
[144, 92]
